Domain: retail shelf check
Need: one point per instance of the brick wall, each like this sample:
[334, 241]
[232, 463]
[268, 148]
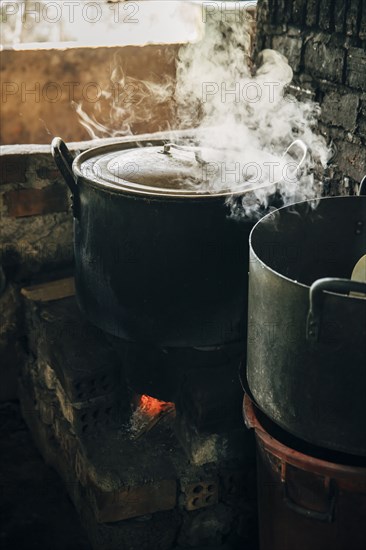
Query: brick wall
[325, 43]
[35, 218]
[35, 236]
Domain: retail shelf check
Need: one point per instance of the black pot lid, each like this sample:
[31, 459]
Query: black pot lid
[167, 169]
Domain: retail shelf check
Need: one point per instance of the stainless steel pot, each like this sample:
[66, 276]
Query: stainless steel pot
[306, 354]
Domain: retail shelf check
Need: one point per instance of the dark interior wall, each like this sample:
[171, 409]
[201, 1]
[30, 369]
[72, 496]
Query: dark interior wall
[325, 43]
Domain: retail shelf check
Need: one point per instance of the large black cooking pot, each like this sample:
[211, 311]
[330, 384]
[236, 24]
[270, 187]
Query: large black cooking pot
[158, 257]
[306, 356]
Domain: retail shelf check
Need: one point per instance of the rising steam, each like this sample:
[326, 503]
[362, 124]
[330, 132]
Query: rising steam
[128, 103]
[243, 114]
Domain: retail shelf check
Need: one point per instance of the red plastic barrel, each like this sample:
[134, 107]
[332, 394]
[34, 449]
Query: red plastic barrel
[306, 503]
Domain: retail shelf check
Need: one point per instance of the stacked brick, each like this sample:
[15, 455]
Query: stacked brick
[325, 43]
[137, 493]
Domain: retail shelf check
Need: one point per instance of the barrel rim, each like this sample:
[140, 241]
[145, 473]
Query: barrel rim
[351, 477]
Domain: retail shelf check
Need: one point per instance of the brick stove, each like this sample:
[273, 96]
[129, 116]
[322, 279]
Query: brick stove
[142, 473]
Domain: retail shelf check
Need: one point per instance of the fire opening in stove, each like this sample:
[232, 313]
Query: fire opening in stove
[148, 412]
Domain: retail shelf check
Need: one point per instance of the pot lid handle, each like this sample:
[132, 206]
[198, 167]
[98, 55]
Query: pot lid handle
[190, 149]
[301, 145]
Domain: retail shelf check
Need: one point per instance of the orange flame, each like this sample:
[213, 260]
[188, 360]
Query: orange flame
[153, 407]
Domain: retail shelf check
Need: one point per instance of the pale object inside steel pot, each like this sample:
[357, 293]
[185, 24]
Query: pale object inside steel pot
[359, 274]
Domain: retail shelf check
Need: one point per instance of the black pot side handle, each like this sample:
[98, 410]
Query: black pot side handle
[332, 493]
[342, 286]
[300, 145]
[362, 190]
[64, 160]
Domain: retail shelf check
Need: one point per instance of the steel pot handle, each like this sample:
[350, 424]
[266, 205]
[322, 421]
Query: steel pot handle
[326, 516]
[64, 160]
[343, 286]
[298, 143]
[362, 190]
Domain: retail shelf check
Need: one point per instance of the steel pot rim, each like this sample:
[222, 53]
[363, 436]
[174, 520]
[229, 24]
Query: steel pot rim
[297, 284]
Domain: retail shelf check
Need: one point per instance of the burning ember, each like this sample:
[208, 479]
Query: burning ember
[153, 407]
[148, 412]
